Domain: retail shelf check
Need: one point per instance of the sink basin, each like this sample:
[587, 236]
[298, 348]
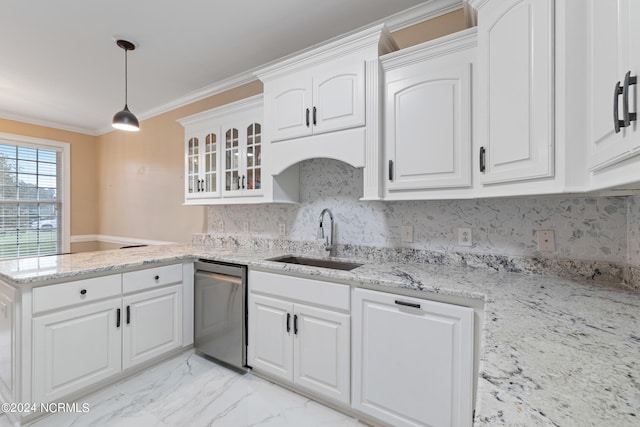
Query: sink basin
[317, 262]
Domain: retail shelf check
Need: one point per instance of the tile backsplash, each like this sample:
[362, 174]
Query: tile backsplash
[586, 228]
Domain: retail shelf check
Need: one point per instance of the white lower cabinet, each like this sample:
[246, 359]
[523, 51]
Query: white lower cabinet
[153, 324]
[412, 360]
[75, 348]
[270, 336]
[86, 331]
[304, 345]
[321, 351]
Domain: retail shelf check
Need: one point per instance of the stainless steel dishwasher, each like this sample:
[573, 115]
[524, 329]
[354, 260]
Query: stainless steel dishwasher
[220, 312]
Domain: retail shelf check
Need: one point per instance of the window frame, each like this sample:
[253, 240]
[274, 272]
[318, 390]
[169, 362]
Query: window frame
[65, 178]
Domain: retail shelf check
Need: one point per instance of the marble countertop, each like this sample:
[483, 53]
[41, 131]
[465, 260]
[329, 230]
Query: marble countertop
[558, 352]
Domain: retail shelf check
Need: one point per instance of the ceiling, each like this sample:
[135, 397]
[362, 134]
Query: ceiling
[60, 66]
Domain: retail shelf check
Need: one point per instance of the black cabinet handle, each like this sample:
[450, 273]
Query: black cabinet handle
[83, 291]
[314, 115]
[243, 181]
[295, 324]
[128, 314]
[390, 170]
[626, 116]
[117, 318]
[156, 278]
[407, 304]
[288, 322]
[617, 123]
[483, 154]
[307, 117]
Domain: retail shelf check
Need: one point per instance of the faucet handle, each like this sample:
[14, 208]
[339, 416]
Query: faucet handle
[320, 234]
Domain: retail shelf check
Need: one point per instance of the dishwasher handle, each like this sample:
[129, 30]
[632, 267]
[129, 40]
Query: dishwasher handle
[220, 277]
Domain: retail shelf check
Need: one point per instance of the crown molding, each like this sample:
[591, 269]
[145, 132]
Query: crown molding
[420, 13]
[465, 39]
[245, 104]
[46, 123]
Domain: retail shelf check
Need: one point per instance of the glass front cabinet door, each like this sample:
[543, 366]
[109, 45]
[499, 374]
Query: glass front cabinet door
[243, 159]
[224, 155]
[202, 178]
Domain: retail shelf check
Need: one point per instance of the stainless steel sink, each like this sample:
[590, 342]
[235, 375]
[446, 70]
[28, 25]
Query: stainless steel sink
[317, 262]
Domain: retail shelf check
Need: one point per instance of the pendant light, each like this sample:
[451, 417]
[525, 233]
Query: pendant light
[125, 120]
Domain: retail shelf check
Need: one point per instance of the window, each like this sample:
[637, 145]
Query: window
[33, 197]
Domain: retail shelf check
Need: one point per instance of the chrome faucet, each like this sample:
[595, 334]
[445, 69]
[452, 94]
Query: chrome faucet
[329, 244]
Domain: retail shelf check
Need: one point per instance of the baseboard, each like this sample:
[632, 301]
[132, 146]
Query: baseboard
[81, 238]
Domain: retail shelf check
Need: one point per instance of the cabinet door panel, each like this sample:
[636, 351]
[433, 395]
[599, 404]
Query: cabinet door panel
[270, 346]
[152, 323]
[75, 348]
[338, 96]
[322, 356]
[288, 100]
[604, 69]
[428, 128]
[516, 115]
[425, 355]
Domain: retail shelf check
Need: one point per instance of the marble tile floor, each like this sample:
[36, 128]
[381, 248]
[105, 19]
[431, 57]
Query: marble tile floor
[190, 391]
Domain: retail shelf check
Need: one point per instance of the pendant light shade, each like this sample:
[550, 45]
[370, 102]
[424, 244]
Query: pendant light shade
[125, 119]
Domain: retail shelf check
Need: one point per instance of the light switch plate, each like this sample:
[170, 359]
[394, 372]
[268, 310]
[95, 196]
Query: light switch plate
[546, 240]
[407, 234]
[465, 237]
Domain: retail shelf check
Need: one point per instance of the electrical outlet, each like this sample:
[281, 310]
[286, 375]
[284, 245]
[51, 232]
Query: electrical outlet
[220, 226]
[465, 237]
[245, 226]
[282, 229]
[546, 240]
[407, 234]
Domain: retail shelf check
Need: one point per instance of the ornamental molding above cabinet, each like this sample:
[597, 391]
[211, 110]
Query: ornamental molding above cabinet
[325, 103]
[227, 161]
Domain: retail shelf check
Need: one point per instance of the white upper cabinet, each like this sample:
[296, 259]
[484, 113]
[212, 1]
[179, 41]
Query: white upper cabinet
[428, 117]
[325, 102]
[287, 107]
[338, 96]
[226, 158]
[201, 164]
[515, 114]
[326, 98]
[242, 159]
[613, 64]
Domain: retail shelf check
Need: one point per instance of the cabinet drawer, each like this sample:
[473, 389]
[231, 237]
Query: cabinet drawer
[314, 292]
[151, 278]
[81, 291]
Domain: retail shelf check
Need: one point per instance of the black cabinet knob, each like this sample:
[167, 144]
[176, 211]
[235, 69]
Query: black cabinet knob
[83, 291]
[157, 278]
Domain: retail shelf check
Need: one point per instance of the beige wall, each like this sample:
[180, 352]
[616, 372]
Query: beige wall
[429, 30]
[141, 176]
[132, 184]
[84, 163]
